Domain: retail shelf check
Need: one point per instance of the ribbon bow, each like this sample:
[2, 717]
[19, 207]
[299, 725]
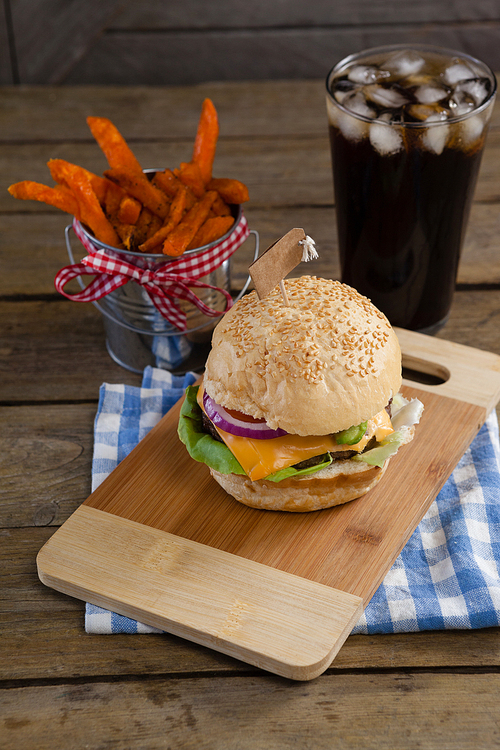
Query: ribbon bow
[170, 282]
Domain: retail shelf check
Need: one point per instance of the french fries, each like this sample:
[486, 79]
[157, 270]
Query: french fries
[180, 237]
[113, 145]
[206, 140]
[211, 230]
[168, 212]
[58, 196]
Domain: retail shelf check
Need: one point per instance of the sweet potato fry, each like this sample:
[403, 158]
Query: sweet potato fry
[205, 142]
[126, 233]
[60, 167]
[147, 225]
[132, 235]
[180, 237]
[211, 230]
[189, 174]
[91, 212]
[167, 182]
[220, 207]
[114, 196]
[129, 210]
[59, 196]
[177, 211]
[113, 145]
[141, 188]
[231, 191]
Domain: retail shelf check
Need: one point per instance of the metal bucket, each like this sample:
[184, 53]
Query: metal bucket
[137, 335]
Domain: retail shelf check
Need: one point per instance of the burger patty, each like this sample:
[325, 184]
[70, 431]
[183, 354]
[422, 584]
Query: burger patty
[208, 427]
[307, 464]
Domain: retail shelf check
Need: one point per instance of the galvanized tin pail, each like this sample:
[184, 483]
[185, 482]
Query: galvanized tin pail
[137, 334]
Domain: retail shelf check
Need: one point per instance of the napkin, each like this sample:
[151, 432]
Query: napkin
[446, 577]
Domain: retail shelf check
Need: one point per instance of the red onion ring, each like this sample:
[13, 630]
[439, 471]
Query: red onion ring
[229, 423]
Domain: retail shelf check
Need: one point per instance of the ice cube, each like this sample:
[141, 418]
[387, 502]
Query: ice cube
[357, 104]
[341, 95]
[385, 139]
[471, 129]
[461, 104]
[457, 72]
[366, 74]
[385, 97]
[476, 88]
[422, 112]
[352, 128]
[462, 108]
[436, 136]
[342, 88]
[430, 94]
[404, 63]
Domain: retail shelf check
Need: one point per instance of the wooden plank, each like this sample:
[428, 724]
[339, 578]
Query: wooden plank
[291, 172]
[39, 245]
[54, 113]
[333, 548]
[66, 345]
[38, 239]
[474, 314]
[279, 172]
[46, 460]
[255, 54]
[401, 709]
[65, 341]
[8, 69]
[168, 113]
[51, 35]
[232, 14]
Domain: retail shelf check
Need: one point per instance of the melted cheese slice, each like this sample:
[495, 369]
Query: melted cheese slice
[260, 458]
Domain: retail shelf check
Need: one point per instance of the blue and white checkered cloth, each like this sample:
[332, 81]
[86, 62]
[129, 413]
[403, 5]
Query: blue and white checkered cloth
[447, 576]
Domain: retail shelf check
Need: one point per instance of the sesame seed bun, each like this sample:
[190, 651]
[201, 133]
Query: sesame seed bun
[326, 362]
[339, 483]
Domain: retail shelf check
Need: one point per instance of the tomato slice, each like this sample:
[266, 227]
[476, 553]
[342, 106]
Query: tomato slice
[243, 417]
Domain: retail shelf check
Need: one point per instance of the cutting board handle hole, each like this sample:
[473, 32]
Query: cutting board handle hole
[424, 371]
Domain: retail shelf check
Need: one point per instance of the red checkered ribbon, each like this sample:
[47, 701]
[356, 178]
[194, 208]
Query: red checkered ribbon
[170, 282]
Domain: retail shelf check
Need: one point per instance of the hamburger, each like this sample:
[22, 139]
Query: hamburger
[299, 408]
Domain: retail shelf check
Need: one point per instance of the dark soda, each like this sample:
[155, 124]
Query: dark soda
[404, 179]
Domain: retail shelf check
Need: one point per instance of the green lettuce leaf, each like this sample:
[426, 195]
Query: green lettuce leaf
[291, 472]
[200, 445]
[377, 456]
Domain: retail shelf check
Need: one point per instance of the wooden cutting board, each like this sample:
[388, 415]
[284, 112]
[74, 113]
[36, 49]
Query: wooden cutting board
[161, 542]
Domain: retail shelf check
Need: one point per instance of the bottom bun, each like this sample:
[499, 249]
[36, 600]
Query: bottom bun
[339, 483]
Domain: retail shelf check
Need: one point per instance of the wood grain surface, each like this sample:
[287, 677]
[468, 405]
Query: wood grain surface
[430, 689]
[153, 42]
[400, 709]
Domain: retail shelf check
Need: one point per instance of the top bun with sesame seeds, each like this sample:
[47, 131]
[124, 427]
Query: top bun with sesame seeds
[326, 362]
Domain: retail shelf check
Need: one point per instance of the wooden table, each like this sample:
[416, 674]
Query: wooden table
[63, 688]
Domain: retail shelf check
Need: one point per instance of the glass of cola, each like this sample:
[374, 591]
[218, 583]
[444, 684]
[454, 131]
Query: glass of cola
[407, 131]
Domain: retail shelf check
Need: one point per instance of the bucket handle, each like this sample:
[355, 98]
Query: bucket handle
[135, 329]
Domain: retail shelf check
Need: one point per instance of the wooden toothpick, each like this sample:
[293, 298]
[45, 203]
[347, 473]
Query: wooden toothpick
[283, 292]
